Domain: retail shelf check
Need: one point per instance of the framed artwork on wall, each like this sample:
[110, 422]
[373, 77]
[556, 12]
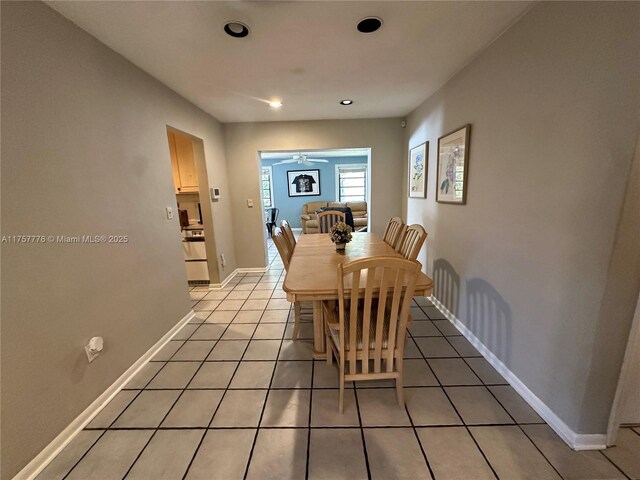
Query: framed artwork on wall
[453, 166]
[418, 166]
[303, 183]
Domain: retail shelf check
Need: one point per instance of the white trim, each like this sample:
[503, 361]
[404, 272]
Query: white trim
[219, 286]
[252, 270]
[577, 441]
[35, 466]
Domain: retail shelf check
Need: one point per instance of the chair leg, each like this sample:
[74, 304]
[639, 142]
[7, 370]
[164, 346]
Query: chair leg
[296, 321]
[399, 391]
[341, 409]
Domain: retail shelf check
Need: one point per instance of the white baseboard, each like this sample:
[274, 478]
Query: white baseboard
[252, 270]
[577, 441]
[35, 466]
[218, 286]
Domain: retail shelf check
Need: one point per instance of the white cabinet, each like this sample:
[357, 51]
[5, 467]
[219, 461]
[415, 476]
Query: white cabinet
[195, 259]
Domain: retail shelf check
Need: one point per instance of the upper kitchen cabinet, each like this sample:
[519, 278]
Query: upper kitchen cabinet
[183, 163]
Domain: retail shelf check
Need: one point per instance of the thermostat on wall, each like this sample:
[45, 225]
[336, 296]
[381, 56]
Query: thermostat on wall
[215, 193]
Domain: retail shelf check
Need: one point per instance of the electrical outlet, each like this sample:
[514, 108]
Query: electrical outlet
[223, 261]
[169, 213]
[93, 348]
[91, 355]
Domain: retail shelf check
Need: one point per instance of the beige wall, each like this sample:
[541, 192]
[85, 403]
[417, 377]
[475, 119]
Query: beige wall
[243, 141]
[84, 151]
[554, 107]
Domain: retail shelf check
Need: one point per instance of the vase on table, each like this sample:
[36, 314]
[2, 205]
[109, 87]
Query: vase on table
[340, 246]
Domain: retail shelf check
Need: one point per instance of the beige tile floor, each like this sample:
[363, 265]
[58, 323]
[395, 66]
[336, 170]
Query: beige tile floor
[232, 397]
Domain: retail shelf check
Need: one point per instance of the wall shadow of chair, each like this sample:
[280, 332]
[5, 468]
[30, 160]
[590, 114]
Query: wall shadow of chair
[446, 285]
[489, 318]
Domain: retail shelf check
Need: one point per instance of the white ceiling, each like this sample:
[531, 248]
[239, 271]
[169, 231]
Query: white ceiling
[309, 55]
[334, 153]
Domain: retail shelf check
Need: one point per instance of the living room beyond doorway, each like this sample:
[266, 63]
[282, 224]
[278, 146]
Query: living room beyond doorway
[297, 184]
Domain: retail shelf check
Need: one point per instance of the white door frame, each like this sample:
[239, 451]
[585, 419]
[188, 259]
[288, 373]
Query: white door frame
[632, 344]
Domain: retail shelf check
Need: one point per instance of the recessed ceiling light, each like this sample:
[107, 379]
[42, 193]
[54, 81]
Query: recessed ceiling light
[346, 101]
[275, 104]
[236, 29]
[369, 24]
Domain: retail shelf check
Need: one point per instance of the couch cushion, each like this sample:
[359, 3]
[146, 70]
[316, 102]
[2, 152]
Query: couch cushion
[313, 207]
[360, 222]
[357, 206]
[336, 204]
[359, 209]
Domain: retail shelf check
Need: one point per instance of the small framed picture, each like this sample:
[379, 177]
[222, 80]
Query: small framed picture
[418, 167]
[303, 183]
[453, 166]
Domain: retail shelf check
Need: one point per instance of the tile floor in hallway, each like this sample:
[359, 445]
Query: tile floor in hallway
[232, 397]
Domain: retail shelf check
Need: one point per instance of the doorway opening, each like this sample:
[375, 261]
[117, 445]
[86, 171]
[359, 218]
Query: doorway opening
[191, 188]
[296, 184]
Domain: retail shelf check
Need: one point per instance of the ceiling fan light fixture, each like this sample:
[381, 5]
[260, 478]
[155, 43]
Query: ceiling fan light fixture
[236, 29]
[369, 24]
[346, 102]
[275, 104]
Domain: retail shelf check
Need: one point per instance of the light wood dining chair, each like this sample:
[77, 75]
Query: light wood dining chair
[413, 238]
[393, 232]
[369, 328]
[288, 234]
[282, 244]
[328, 219]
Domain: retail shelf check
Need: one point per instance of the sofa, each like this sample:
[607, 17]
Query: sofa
[309, 210]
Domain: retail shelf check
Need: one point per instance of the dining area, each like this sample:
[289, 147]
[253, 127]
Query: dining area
[359, 289]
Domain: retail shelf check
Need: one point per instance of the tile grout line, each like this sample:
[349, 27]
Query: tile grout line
[415, 433]
[306, 473]
[264, 405]
[522, 430]
[364, 441]
[457, 412]
[179, 395]
[615, 464]
[197, 449]
[515, 423]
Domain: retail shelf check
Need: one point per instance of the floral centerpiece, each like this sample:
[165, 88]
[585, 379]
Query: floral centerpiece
[340, 235]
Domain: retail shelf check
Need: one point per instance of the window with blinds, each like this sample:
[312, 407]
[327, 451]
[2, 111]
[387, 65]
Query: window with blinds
[351, 183]
[267, 187]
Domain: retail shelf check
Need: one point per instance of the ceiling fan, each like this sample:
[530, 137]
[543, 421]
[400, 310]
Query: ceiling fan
[302, 159]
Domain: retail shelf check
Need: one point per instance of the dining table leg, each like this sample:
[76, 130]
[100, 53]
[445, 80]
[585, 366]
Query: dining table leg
[319, 349]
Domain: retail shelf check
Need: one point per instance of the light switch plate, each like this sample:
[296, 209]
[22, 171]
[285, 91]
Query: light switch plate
[169, 213]
[249, 202]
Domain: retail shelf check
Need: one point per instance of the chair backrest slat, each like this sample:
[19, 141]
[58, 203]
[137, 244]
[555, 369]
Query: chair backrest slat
[288, 234]
[366, 318]
[382, 307]
[353, 321]
[412, 240]
[384, 288]
[283, 247]
[393, 232]
[398, 280]
[327, 219]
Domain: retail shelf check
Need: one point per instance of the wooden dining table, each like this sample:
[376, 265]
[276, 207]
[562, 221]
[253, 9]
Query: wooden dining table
[312, 274]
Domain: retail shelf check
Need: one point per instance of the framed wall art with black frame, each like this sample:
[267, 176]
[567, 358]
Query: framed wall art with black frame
[452, 174]
[418, 167]
[303, 183]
